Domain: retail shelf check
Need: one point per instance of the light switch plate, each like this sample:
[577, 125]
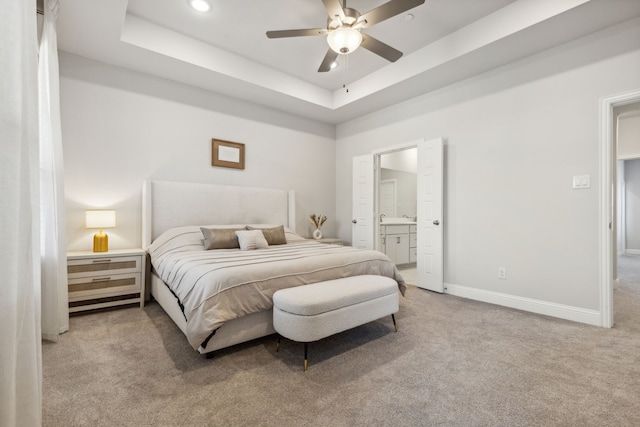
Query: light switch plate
[581, 181]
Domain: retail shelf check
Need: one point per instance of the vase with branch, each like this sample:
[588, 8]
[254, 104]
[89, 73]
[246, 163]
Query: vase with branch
[317, 221]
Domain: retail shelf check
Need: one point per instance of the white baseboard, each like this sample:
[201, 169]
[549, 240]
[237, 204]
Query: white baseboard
[632, 251]
[576, 314]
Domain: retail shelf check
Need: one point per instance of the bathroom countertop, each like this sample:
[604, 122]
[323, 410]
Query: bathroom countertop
[398, 223]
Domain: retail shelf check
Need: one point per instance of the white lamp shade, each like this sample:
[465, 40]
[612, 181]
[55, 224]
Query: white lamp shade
[344, 40]
[101, 219]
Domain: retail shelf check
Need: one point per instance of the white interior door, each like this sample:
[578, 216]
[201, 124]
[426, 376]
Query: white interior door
[430, 259]
[362, 209]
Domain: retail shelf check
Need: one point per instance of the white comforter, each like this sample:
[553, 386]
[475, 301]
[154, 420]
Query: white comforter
[218, 285]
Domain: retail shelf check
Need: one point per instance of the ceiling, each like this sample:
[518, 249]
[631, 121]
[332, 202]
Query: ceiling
[226, 50]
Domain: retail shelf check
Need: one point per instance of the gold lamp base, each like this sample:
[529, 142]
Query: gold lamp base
[100, 242]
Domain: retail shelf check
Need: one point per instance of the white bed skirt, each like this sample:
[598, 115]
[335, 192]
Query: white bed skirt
[233, 332]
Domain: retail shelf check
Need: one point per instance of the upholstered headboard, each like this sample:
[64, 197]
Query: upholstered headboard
[168, 204]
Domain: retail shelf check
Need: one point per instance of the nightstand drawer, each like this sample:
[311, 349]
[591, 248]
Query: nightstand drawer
[103, 266]
[94, 287]
[105, 279]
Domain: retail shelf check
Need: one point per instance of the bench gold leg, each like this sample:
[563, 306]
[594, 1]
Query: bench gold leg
[395, 325]
[278, 344]
[306, 348]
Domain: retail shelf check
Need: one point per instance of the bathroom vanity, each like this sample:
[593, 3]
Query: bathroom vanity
[398, 240]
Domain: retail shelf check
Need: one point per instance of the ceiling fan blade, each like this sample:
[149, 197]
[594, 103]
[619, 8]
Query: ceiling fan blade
[379, 48]
[386, 11]
[334, 9]
[296, 33]
[329, 59]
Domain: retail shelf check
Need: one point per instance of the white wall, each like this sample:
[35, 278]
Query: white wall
[514, 137]
[406, 190]
[629, 137]
[402, 160]
[121, 127]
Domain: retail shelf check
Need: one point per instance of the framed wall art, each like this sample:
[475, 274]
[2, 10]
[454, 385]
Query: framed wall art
[227, 154]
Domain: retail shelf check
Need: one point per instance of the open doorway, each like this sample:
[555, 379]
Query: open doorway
[416, 232]
[395, 203]
[627, 147]
[429, 193]
[612, 110]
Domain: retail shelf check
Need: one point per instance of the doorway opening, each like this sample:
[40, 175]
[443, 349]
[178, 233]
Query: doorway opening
[395, 204]
[611, 109]
[414, 236]
[627, 218]
[429, 236]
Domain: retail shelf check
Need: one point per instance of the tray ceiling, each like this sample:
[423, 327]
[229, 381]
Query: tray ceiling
[226, 50]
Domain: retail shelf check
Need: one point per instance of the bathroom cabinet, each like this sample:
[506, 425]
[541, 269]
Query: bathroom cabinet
[399, 242]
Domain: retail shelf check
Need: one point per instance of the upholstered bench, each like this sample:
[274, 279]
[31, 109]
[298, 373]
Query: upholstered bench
[312, 312]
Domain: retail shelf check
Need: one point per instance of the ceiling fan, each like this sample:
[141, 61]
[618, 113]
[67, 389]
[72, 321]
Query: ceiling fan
[344, 27]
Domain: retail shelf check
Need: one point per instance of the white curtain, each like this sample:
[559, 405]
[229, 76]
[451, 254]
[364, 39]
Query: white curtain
[20, 333]
[55, 311]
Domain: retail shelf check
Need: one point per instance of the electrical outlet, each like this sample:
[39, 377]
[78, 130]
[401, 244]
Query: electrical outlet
[502, 273]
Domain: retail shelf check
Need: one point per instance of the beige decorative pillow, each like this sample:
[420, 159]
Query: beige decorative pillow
[251, 239]
[220, 238]
[274, 236]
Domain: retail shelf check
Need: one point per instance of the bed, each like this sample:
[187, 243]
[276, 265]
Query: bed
[222, 297]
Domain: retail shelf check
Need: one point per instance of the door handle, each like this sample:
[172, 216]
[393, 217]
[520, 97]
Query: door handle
[354, 221]
[436, 222]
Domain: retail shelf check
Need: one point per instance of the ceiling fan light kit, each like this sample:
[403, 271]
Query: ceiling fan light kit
[344, 40]
[344, 30]
[200, 5]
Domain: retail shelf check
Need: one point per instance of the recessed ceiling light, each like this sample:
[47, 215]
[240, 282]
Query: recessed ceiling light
[200, 5]
[408, 17]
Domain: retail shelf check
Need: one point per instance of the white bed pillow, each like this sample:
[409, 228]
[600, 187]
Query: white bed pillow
[251, 239]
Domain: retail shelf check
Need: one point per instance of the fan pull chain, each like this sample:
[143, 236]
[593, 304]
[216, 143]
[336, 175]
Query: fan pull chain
[346, 61]
[344, 73]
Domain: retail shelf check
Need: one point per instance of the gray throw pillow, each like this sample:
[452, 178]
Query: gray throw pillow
[220, 238]
[274, 236]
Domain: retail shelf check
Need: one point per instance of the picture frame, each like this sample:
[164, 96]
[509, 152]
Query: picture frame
[227, 154]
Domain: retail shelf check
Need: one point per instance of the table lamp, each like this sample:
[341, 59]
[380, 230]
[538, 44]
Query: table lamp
[100, 219]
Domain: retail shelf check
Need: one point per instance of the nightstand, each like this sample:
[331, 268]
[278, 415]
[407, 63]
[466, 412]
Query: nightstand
[330, 241]
[105, 279]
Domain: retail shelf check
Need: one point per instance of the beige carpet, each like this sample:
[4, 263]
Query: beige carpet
[454, 362]
[410, 275]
